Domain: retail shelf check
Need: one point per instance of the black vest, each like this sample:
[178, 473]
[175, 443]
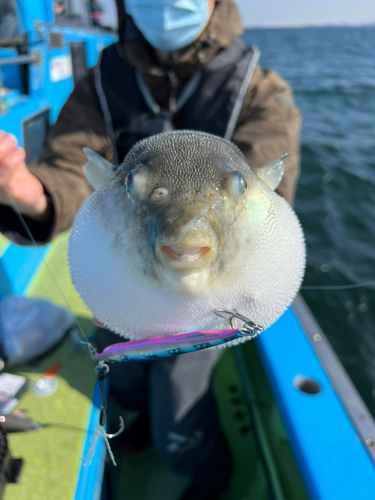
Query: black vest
[209, 109]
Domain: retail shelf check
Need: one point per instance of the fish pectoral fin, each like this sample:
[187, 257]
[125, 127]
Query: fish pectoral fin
[98, 171]
[272, 173]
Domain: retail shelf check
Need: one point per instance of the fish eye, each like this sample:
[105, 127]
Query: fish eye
[237, 183]
[159, 194]
[137, 183]
[242, 184]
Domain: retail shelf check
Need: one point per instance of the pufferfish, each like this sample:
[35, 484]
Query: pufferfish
[181, 228]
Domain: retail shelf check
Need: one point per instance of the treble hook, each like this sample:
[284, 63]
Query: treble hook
[248, 328]
[100, 431]
[121, 429]
[102, 370]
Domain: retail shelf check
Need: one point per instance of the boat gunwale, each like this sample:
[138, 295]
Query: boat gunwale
[350, 398]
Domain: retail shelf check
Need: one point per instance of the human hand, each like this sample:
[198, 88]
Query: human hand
[15, 178]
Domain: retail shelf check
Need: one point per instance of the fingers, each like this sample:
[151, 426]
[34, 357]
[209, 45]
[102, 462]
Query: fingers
[7, 143]
[17, 184]
[13, 160]
[11, 156]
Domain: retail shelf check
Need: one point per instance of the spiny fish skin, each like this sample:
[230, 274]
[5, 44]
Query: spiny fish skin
[182, 227]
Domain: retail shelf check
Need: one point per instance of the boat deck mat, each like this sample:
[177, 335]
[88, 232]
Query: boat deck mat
[53, 455]
[3, 244]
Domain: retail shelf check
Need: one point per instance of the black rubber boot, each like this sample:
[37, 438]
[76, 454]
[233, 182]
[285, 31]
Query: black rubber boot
[212, 478]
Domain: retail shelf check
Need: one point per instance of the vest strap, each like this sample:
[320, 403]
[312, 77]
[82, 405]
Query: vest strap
[184, 96]
[241, 95]
[105, 108]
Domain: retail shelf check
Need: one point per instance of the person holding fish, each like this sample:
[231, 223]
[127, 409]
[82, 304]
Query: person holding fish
[177, 65]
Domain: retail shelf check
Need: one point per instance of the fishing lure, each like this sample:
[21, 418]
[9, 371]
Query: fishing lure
[180, 343]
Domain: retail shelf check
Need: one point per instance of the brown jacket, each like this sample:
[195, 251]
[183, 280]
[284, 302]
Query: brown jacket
[267, 128]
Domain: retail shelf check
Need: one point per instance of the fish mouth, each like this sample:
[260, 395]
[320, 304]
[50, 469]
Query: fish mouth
[182, 254]
[185, 257]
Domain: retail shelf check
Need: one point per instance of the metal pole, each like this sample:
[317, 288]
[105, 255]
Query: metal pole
[27, 59]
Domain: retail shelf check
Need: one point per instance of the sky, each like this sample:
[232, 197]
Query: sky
[275, 13]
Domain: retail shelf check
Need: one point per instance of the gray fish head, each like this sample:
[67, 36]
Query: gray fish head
[188, 189]
[182, 227]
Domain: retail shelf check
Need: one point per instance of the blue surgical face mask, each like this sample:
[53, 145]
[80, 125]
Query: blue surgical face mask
[169, 25]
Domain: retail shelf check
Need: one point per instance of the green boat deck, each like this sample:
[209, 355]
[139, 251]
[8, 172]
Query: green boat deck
[53, 455]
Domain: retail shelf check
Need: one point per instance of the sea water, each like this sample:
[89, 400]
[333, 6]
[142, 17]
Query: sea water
[332, 72]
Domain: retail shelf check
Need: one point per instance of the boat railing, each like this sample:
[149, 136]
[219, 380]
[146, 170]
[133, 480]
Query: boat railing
[24, 59]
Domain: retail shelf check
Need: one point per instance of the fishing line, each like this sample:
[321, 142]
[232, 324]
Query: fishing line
[91, 348]
[116, 354]
[339, 287]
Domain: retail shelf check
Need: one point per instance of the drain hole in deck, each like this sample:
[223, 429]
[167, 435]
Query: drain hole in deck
[307, 385]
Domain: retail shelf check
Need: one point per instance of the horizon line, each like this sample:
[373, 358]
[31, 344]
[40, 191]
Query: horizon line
[299, 26]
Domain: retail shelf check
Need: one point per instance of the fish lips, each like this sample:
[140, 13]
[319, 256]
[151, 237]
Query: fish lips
[186, 255]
